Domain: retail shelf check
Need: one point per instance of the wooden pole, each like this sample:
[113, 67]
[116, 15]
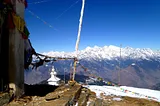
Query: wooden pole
[74, 70]
[119, 75]
[65, 75]
[16, 55]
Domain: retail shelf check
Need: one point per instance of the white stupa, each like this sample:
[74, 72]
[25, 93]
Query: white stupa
[53, 80]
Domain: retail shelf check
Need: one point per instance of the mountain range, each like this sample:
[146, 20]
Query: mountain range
[137, 67]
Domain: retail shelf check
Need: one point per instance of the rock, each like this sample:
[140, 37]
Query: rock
[91, 104]
[98, 102]
[51, 96]
[72, 83]
[4, 98]
[92, 94]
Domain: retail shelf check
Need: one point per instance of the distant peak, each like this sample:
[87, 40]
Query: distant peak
[114, 47]
[88, 48]
[110, 52]
[96, 47]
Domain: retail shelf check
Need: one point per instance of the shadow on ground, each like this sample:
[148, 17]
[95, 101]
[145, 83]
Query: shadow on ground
[38, 90]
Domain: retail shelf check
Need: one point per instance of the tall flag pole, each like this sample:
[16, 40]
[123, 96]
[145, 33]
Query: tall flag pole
[78, 38]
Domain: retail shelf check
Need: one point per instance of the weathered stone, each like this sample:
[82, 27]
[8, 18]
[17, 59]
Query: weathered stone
[105, 103]
[72, 83]
[98, 102]
[93, 94]
[92, 103]
[52, 96]
[4, 98]
[67, 98]
[83, 97]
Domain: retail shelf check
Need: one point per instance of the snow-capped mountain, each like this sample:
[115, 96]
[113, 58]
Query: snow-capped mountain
[136, 67]
[110, 52]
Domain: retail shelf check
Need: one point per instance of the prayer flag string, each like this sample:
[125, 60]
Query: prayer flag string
[49, 25]
[39, 2]
[67, 9]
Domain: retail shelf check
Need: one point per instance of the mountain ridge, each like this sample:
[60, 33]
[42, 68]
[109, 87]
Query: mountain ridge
[109, 52]
[137, 67]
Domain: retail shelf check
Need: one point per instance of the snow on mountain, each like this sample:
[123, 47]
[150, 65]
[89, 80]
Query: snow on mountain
[125, 91]
[110, 52]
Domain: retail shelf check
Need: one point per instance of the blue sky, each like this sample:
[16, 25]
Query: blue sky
[134, 23]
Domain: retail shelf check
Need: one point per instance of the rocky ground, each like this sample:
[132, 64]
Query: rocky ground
[71, 95]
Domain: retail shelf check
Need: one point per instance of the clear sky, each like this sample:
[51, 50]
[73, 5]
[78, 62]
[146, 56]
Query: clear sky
[134, 23]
